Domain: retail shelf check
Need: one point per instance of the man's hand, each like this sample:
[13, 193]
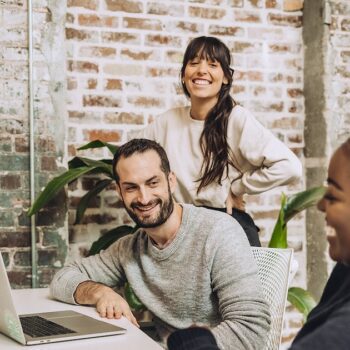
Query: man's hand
[108, 303]
[233, 201]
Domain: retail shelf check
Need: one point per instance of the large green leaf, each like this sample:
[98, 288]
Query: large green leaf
[301, 299]
[55, 185]
[132, 299]
[110, 237]
[84, 201]
[302, 200]
[279, 234]
[100, 166]
[99, 144]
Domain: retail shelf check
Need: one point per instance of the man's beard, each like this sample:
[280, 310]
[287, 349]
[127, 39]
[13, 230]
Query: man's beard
[165, 210]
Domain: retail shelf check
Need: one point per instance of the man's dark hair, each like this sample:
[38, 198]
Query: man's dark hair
[140, 146]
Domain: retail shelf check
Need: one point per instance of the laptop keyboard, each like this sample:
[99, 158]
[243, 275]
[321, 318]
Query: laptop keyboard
[36, 326]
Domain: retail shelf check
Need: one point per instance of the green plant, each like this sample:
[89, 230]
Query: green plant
[78, 167]
[291, 206]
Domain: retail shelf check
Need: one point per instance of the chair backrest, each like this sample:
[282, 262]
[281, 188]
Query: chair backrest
[273, 269]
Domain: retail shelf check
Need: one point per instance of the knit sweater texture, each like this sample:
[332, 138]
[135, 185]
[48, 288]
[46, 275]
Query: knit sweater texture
[261, 161]
[206, 276]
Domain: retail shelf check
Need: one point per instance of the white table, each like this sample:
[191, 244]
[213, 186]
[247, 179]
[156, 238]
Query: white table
[38, 300]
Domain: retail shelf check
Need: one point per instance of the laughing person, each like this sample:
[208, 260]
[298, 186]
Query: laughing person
[187, 265]
[217, 149]
[328, 324]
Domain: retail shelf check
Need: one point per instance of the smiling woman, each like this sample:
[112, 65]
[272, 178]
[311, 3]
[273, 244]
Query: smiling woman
[327, 326]
[217, 149]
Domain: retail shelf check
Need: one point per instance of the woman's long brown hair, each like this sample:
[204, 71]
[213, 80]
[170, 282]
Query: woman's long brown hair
[213, 140]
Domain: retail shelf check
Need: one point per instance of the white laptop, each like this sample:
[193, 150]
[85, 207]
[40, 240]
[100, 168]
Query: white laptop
[48, 327]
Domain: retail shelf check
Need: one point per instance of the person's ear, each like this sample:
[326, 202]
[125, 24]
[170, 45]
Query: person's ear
[172, 181]
[225, 81]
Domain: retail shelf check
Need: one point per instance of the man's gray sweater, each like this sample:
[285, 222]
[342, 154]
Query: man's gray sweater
[206, 276]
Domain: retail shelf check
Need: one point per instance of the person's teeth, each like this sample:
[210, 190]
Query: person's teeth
[201, 82]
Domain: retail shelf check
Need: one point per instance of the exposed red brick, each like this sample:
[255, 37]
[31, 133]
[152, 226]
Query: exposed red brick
[174, 56]
[185, 27]
[22, 144]
[295, 138]
[167, 40]
[293, 5]
[96, 51]
[120, 37]
[209, 13]
[343, 71]
[285, 48]
[98, 21]
[95, 202]
[10, 182]
[267, 106]
[236, 3]
[271, 4]
[91, 83]
[123, 118]
[345, 55]
[237, 89]
[162, 72]
[101, 101]
[142, 23]
[103, 135]
[137, 55]
[48, 163]
[269, 214]
[295, 93]
[345, 25]
[255, 3]
[284, 20]
[248, 16]
[279, 77]
[144, 101]
[21, 278]
[46, 145]
[72, 152]
[101, 219]
[287, 123]
[82, 66]
[250, 75]
[295, 107]
[81, 35]
[165, 8]
[113, 84]
[69, 18]
[226, 30]
[72, 83]
[124, 5]
[88, 4]
[246, 47]
[15, 239]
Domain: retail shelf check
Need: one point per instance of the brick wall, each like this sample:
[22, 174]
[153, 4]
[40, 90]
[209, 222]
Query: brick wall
[15, 235]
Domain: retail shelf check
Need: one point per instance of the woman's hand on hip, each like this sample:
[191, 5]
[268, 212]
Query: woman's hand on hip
[234, 202]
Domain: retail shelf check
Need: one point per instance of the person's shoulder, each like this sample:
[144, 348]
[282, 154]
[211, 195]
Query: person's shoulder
[210, 218]
[175, 112]
[239, 114]
[129, 240]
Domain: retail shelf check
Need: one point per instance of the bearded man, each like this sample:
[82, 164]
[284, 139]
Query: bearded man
[187, 265]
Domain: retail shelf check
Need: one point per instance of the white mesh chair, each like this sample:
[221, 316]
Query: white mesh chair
[274, 269]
